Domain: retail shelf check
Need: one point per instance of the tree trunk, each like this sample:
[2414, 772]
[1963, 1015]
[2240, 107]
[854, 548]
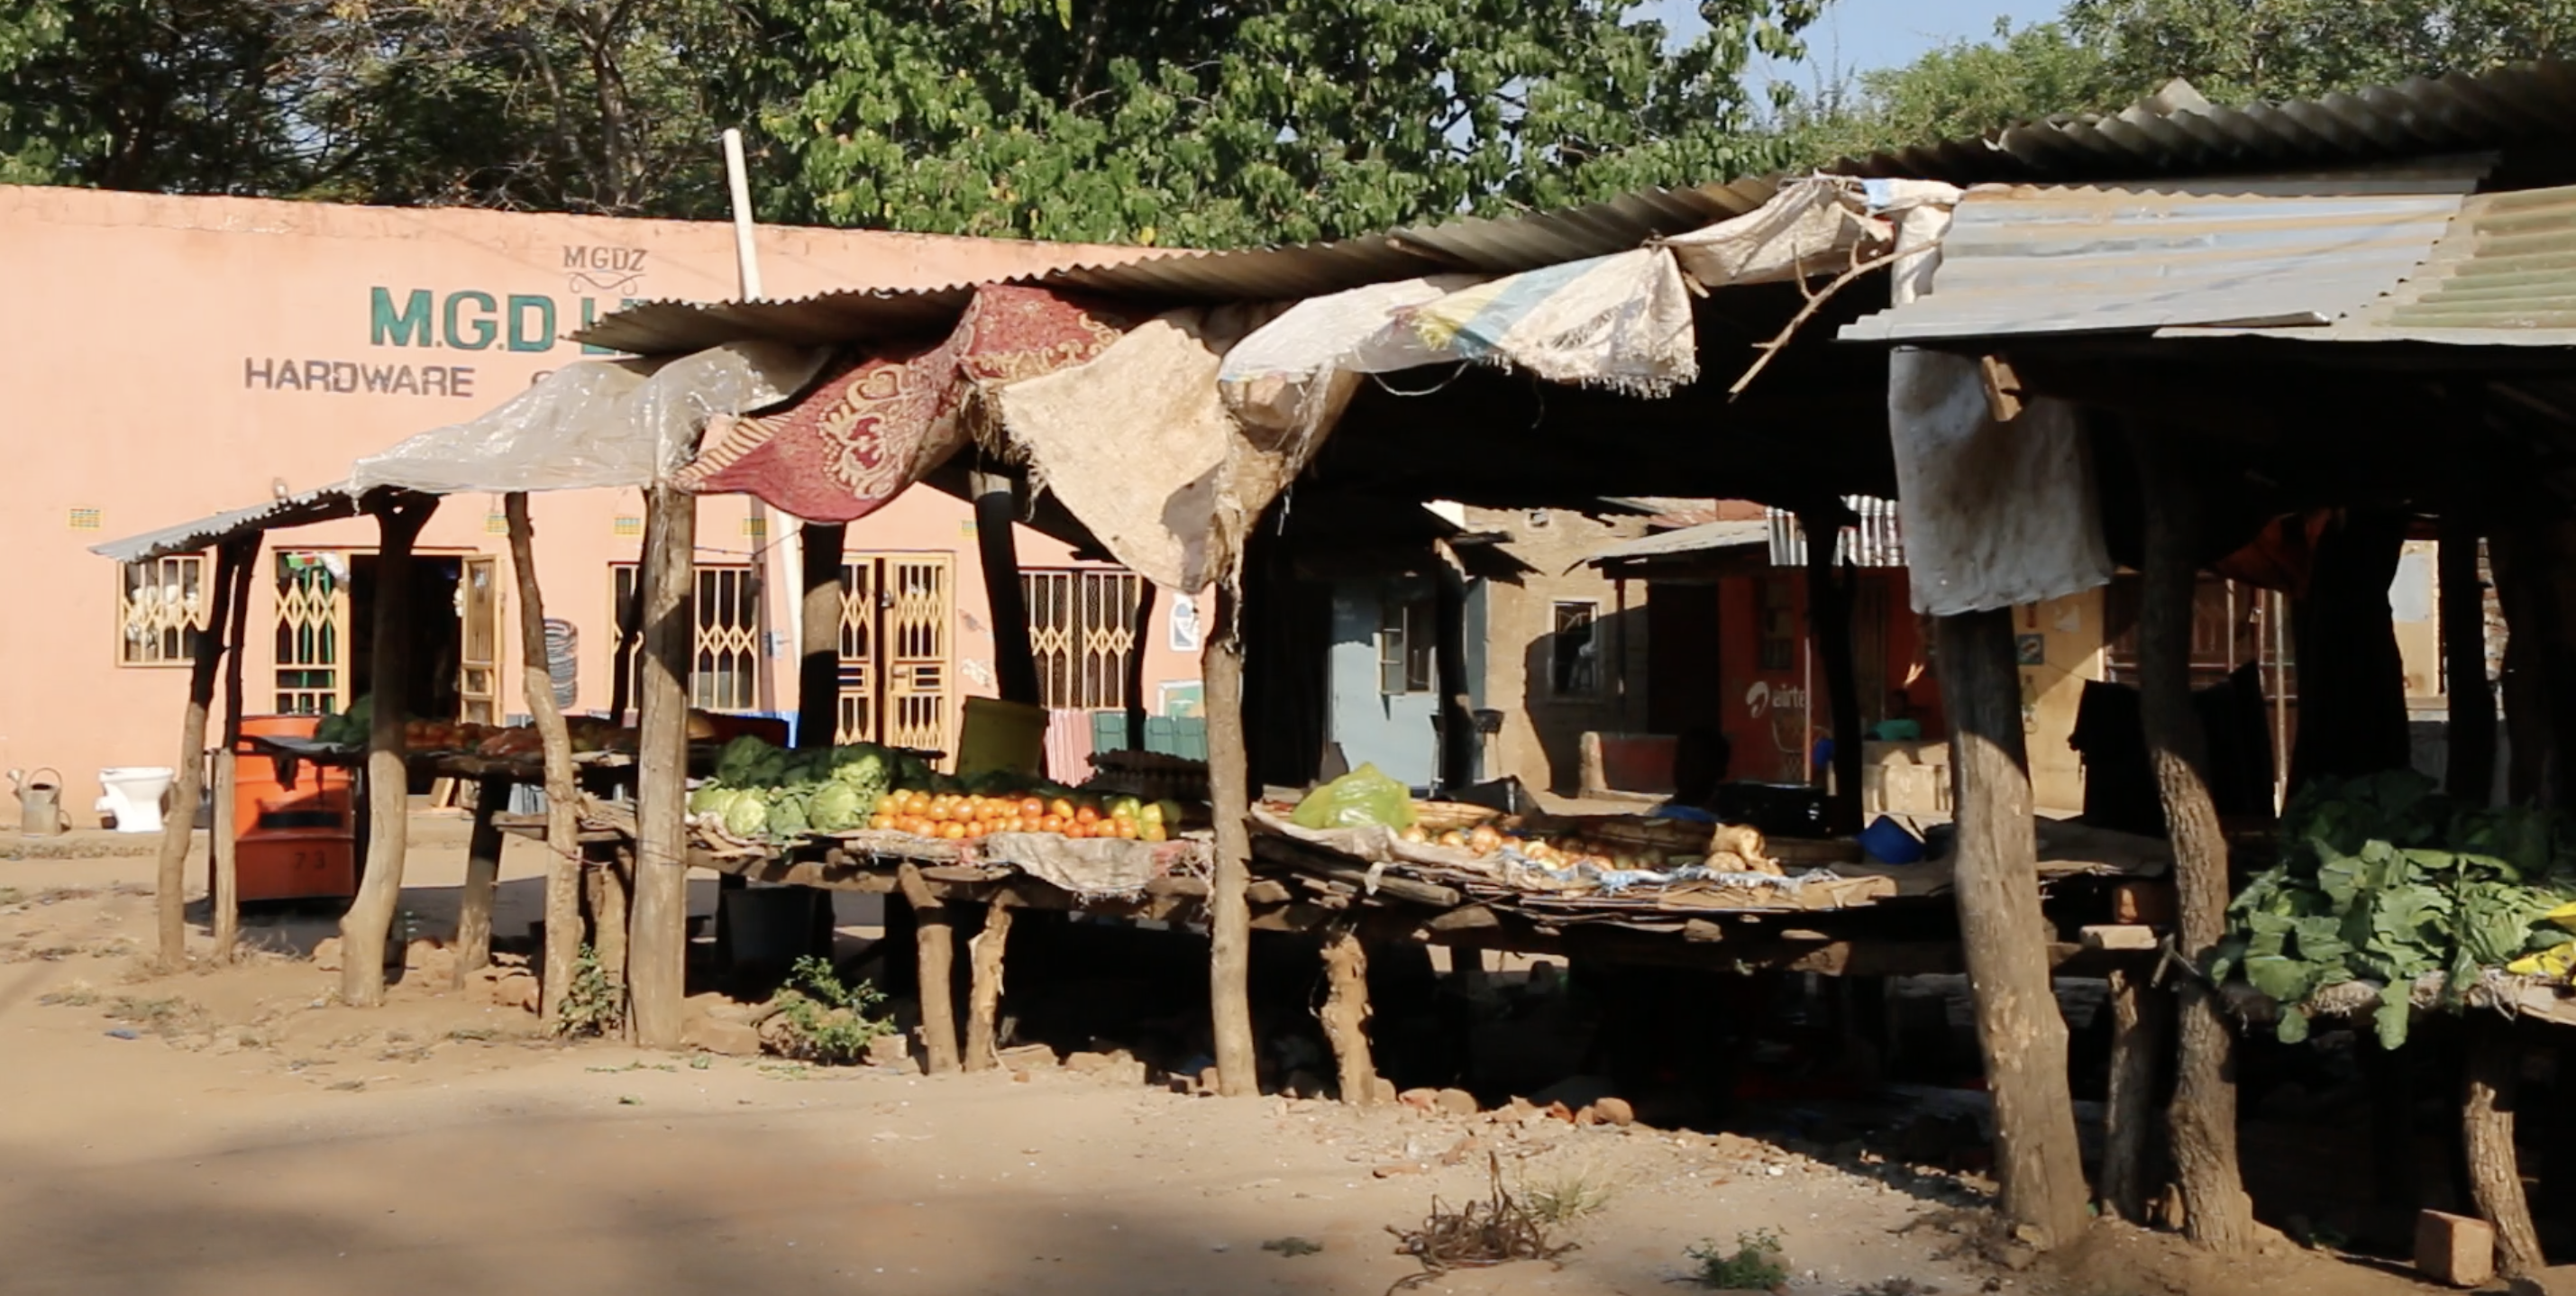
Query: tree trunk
[936, 952]
[2520, 578]
[1229, 916]
[2218, 1213]
[658, 946]
[608, 882]
[984, 993]
[1829, 616]
[2469, 769]
[179, 829]
[554, 740]
[482, 875]
[2494, 1073]
[366, 927]
[2004, 935]
[223, 846]
[2141, 1026]
[1015, 661]
[818, 660]
[1346, 1014]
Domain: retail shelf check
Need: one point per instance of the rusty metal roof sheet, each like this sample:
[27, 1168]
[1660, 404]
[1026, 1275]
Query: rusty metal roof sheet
[2028, 259]
[321, 504]
[1483, 245]
[2177, 132]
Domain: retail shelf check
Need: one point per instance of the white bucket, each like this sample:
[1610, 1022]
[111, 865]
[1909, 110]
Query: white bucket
[134, 795]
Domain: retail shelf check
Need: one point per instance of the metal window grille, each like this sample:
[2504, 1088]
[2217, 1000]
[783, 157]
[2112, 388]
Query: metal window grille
[1082, 629]
[160, 603]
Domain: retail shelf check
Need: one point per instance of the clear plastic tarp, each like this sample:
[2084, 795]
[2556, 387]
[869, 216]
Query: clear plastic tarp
[598, 423]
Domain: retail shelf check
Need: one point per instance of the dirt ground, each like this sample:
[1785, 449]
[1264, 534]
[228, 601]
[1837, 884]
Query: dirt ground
[234, 1131]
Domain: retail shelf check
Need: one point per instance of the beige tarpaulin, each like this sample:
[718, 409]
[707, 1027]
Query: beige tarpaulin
[1138, 445]
[1995, 514]
[1811, 227]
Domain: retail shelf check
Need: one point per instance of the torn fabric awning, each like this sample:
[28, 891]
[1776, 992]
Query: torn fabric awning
[863, 436]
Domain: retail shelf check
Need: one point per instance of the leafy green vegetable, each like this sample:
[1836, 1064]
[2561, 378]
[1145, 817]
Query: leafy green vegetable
[748, 815]
[2387, 879]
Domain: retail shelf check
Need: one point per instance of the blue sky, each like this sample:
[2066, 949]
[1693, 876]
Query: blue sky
[1858, 35]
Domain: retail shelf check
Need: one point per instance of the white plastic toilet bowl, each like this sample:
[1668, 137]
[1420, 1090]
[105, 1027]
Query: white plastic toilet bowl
[135, 792]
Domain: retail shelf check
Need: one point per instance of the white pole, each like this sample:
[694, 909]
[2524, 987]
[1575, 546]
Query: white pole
[746, 257]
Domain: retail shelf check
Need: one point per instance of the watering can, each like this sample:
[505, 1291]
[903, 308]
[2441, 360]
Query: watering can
[40, 801]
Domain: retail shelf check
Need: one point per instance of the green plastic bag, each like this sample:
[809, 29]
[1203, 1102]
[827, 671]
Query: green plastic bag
[1363, 798]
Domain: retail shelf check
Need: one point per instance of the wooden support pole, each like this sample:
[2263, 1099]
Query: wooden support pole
[368, 925]
[1346, 1013]
[482, 876]
[1144, 629]
[608, 880]
[936, 952]
[2003, 935]
[1015, 660]
[179, 829]
[2141, 1026]
[818, 657]
[563, 794]
[2520, 564]
[657, 948]
[2469, 769]
[1458, 737]
[2218, 1214]
[1829, 619]
[1230, 797]
[223, 845]
[984, 993]
[2493, 1074]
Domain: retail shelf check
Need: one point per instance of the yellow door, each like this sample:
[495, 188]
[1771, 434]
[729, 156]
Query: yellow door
[312, 633]
[860, 677]
[895, 612]
[919, 608]
[478, 671]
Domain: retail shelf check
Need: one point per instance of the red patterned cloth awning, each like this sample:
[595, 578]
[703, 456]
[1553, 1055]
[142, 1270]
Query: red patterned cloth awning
[860, 438]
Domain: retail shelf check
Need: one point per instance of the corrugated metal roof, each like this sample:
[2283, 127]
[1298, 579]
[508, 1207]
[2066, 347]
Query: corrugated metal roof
[2179, 133]
[1730, 534]
[321, 504]
[2503, 275]
[2030, 259]
[1484, 245]
[2508, 262]
[2175, 133]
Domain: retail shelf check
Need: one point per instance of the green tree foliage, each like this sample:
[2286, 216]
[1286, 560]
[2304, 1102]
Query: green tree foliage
[2103, 55]
[1221, 124]
[146, 94]
[1206, 122]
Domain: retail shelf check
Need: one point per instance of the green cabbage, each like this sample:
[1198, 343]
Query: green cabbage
[747, 815]
[739, 763]
[839, 807]
[787, 819]
[711, 799]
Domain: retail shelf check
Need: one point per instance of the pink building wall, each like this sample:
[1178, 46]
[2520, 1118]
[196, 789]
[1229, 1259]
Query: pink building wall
[171, 357]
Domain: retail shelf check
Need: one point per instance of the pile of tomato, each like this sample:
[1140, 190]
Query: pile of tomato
[962, 817]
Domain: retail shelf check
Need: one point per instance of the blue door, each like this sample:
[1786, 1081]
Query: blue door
[1383, 677]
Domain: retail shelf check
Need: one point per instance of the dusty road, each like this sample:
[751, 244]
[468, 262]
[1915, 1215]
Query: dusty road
[252, 1138]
